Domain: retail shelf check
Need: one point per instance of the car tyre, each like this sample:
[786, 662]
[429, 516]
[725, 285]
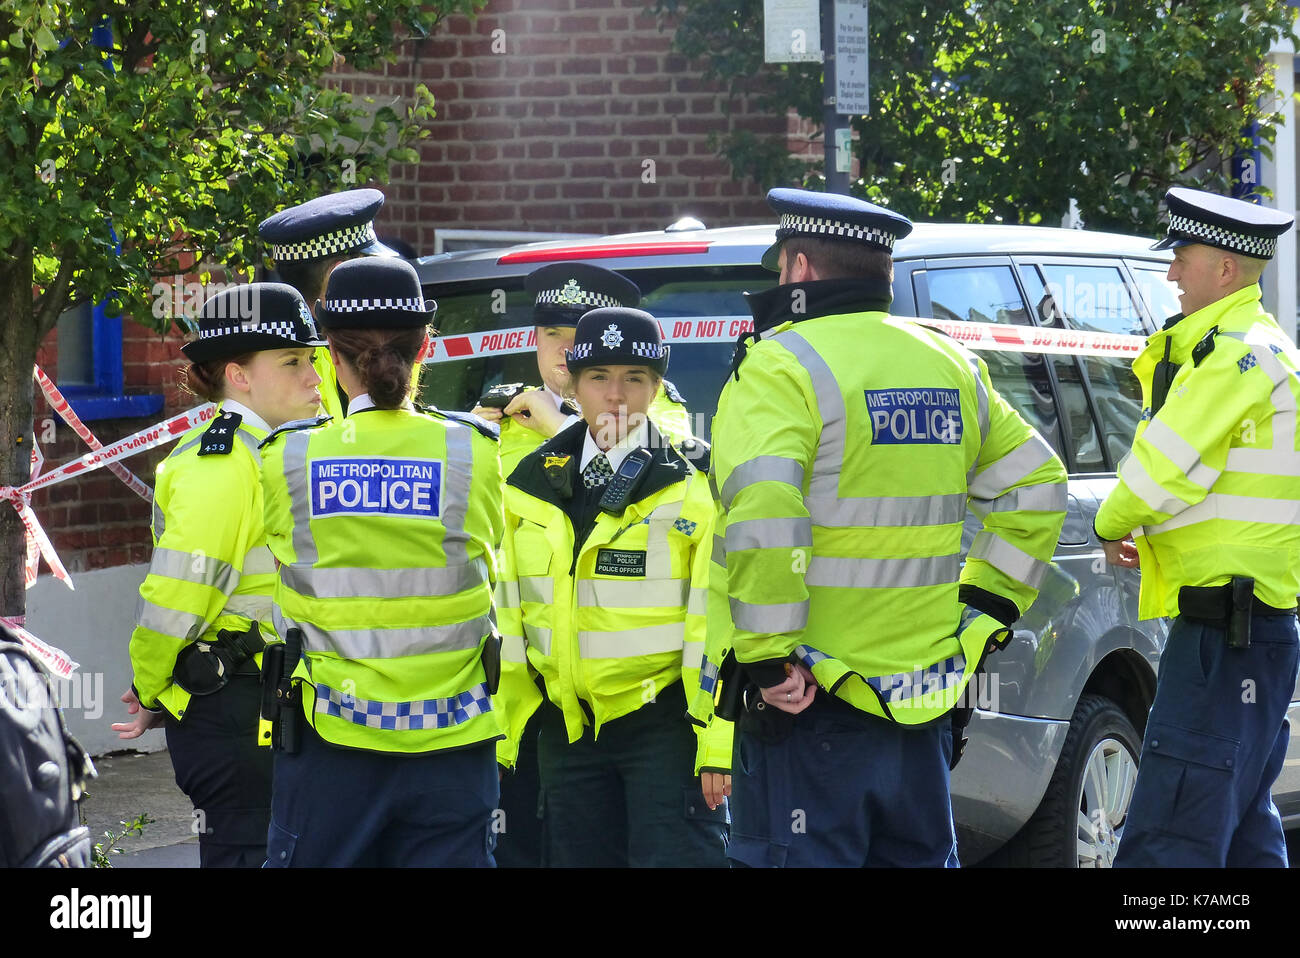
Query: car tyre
[1082, 814]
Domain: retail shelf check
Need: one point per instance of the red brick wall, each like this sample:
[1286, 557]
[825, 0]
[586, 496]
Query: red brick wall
[550, 135]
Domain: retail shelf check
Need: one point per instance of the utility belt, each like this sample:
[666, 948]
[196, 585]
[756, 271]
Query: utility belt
[1229, 607]
[203, 668]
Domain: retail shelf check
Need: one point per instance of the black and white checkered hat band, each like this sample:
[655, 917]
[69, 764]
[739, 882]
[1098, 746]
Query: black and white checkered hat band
[286, 330]
[580, 351]
[649, 350]
[327, 244]
[1262, 247]
[792, 224]
[366, 305]
[561, 297]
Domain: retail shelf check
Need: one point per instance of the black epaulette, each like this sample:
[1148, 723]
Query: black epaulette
[674, 394]
[696, 452]
[1205, 346]
[293, 426]
[219, 438]
[489, 429]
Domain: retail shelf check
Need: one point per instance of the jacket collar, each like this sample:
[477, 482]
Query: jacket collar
[822, 297]
[667, 466]
[1236, 312]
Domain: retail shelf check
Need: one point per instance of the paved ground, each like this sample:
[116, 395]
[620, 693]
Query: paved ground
[132, 783]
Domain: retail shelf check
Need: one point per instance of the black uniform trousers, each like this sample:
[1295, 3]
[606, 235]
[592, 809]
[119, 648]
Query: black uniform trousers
[519, 841]
[225, 773]
[629, 798]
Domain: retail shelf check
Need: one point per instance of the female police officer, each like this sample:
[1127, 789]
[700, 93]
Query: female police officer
[205, 606]
[605, 564]
[384, 527]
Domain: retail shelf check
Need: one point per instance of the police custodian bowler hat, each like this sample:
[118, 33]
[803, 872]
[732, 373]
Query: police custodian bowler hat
[329, 226]
[832, 216]
[374, 293]
[250, 318]
[617, 336]
[562, 292]
[1196, 216]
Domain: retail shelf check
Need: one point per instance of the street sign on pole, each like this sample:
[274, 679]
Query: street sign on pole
[851, 91]
[791, 31]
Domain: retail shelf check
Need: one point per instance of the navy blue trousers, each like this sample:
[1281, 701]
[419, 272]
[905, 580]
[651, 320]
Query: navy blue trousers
[836, 787]
[1215, 742]
[225, 773]
[339, 807]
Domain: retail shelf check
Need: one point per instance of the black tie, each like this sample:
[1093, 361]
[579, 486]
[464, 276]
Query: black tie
[597, 472]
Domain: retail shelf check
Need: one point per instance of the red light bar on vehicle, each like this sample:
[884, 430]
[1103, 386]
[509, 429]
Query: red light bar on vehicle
[657, 248]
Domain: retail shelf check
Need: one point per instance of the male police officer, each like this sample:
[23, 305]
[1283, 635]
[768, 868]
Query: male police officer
[1211, 489]
[561, 293]
[309, 240]
[845, 453]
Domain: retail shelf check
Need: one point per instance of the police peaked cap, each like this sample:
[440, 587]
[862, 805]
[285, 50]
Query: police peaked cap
[1237, 226]
[251, 318]
[562, 292]
[339, 224]
[617, 336]
[374, 294]
[832, 216]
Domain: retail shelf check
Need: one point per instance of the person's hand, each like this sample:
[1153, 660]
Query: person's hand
[144, 719]
[490, 413]
[794, 694]
[716, 786]
[535, 410]
[1121, 553]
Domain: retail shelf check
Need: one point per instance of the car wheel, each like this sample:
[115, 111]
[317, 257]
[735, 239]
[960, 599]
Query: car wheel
[1080, 820]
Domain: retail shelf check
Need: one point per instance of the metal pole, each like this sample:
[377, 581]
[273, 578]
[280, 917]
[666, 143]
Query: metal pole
[831, 120]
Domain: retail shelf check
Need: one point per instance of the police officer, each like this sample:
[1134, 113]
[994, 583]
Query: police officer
[309, 240]
[846, 449]
[561, 293]
[384, 525]
[205, 606]
[605, 558]
[1207, 491]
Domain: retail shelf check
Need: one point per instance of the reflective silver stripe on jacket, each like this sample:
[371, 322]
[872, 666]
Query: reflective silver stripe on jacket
[506, 594]
[1020, 462]
[259, 561]
[295, 475]
[194, 567]
[861, 511]
[318, 583]
[1156, 496]
[513, 648]
[1015, 562]
[692, 655]
[254, 607]
[538, 638]
[456, 486]
[829, 459]
[719, 550]
[1217, 505]
[1180, 452]
[850, 573]
[647, 640]
[536, 588]
[159, 521]
[166, 621]
[698, 604]
[1043, 497]
[762, 469]
[396, 643]
[780, 533]
[772, 619]
[633, 593]
[981, 400]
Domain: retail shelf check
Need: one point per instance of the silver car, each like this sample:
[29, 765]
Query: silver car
[1052, 759]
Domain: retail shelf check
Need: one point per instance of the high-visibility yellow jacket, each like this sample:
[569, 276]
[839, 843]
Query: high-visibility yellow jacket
[384, 527]
[329, 384]
[613, 620]
[845, 456]
[211, 568]
[1211, 486]
[667, 411]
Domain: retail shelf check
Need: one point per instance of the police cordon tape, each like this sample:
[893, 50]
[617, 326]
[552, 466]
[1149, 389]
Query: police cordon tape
[54, 659]
[726, 329]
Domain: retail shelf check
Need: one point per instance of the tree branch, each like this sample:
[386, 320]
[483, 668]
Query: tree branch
[55, 297]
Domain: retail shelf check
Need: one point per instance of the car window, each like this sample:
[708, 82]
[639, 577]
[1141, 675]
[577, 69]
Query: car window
[977, 294]
[1160, 295]
[1090, 297]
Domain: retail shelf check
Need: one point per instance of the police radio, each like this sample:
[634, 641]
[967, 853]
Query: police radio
[619, 491]
[499, 397]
